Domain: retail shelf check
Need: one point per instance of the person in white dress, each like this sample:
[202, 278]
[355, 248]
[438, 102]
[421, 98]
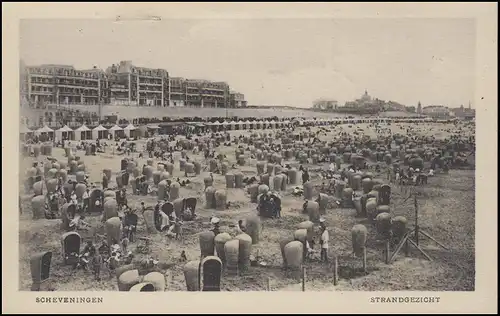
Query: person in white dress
[324, 240]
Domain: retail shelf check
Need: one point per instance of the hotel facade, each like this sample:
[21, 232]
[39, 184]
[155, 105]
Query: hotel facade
[121, 84]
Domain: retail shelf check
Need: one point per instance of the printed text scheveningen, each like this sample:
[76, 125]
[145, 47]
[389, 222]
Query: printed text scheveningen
[68, 300]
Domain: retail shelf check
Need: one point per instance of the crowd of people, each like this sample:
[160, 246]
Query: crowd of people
[169, 223]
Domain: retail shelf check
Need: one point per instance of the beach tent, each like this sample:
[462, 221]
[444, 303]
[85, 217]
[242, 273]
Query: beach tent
[116, 131]
[248, 124]
[142, 131]
[44, 130]
[153, 129]
[272, 124]
[233, 125]
[257, 124]
[240, 125]
[83, 133]
[129, 130]
[216, 125]
[100, 132]
[64, 133]
[226, 125]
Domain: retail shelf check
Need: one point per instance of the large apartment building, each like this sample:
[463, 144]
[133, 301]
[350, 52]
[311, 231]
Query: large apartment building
[237, 100]
[62, 84]
[120, 84]
[131, 85]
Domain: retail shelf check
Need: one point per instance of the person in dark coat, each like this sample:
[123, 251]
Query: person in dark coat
[104, 181]
[305, 176]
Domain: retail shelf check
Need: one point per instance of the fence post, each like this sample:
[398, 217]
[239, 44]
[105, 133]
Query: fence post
[387, 251]
[364, 260]
[303, 278]
[335, 271]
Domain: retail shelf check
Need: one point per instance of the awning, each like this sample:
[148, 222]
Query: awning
[99, 128]
[115, 128]
[130, 127]
[153, 126]
[45, 129]
[65, 128]
[82, 128]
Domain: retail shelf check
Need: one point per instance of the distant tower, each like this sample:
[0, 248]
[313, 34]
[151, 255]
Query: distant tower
[419, 108]
[469, 105]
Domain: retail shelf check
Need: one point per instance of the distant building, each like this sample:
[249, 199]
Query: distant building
[325, 105]
[237, 100]
[394, 106]
[364, 105]
[437, 111]
[464, 113]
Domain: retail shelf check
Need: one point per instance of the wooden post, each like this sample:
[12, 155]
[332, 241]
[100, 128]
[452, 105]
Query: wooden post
[303, 278]
[387, 251]
[199, 273]
[407, 249]
[335, 271]
[416, 218]
[364, 259]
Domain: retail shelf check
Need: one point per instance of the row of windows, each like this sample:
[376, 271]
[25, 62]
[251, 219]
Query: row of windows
[62, 72]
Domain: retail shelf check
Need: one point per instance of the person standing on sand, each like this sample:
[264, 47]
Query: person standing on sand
[104, 181]
[324, 240]
[305, 176]
[86, 197]
[97, 262]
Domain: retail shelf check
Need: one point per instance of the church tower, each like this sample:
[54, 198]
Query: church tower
[419, 108]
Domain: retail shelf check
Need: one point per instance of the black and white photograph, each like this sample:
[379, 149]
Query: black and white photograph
[163, 154]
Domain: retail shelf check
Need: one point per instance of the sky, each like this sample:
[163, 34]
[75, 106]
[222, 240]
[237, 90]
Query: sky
[288, 62]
